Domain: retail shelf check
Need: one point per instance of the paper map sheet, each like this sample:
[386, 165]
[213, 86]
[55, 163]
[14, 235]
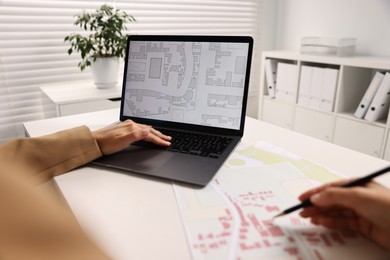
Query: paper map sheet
[231, 217]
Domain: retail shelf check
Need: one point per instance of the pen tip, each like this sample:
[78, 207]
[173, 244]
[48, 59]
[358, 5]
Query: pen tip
[279, 215]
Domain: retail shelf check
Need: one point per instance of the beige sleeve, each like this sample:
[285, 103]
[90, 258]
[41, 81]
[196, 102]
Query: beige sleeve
[33, 224]
[44, 157]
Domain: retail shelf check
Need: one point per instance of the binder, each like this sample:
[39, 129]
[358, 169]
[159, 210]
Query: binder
[329, 89]
[369, 95]
[304, 85]
[286, 82]
[270, 76]
[379, 107]
[317, 81]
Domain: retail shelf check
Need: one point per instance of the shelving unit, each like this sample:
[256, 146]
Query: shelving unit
[81, 97]
[339, 126]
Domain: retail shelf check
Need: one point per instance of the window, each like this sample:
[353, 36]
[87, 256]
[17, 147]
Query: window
[33, 52]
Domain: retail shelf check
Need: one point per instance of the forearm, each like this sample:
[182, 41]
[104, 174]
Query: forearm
[45, 157]
[35, 226]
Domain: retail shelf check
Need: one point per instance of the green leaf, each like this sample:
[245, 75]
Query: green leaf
[106, 25]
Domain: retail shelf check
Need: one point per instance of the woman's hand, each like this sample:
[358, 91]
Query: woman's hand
[365, 209]
[115, 138]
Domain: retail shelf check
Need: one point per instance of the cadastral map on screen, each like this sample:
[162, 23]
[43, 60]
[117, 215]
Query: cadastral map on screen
[191, 82]
[231, 218]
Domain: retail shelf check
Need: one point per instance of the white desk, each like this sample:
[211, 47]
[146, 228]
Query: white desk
[133, 217]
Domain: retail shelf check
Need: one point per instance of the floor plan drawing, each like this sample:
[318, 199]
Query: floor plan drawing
[189, 82]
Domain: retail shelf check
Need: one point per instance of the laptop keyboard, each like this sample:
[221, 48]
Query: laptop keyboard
[195, 143]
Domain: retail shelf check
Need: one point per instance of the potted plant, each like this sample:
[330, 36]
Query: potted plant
[102, 44]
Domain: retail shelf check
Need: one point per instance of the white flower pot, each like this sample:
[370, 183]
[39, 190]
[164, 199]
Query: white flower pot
[105, 72]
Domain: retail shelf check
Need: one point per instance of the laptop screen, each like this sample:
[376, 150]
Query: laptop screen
[197, 80]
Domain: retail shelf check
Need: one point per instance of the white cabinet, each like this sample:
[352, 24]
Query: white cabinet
[386, 154]
[314, 123]
[359, 136]
[278, 113]
[336, 123]
[81, 97]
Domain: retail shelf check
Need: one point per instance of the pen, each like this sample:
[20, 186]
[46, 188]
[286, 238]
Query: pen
[357, 182]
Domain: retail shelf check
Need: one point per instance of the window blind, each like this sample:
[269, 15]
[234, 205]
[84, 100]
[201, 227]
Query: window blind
[33, 52]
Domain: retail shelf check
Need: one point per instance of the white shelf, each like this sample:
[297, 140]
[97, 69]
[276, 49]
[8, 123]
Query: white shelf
[338, 126]
[81, 97]
[354, 61]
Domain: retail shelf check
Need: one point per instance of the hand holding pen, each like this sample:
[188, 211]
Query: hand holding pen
[358, 205]
[356, 182]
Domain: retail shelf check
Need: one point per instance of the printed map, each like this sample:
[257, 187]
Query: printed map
[231, 218]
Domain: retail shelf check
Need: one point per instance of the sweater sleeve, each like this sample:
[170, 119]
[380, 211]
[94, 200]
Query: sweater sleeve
[33, 224]
[42, 158]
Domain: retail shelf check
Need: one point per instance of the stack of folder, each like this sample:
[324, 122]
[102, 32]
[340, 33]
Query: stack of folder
[317, 87]
[281, 79]
[375, 103]
[270, 76]
[286, 82]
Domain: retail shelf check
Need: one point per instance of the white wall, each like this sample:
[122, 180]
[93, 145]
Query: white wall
[367, 20]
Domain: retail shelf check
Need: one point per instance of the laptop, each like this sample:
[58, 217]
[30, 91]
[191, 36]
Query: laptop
[193, 88]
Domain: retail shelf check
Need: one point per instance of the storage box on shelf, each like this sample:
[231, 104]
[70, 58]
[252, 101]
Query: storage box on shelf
[330, 118]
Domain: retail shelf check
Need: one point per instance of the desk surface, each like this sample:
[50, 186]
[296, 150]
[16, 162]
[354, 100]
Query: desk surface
[134, 217]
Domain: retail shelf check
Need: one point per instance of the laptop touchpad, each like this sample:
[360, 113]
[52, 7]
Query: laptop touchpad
[138, 159]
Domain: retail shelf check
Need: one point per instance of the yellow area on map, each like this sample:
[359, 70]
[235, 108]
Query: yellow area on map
[308, 169]
[237, 162]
